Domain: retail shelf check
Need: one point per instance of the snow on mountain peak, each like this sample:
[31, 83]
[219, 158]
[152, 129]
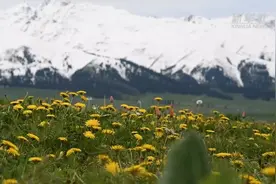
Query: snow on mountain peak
[61, 29]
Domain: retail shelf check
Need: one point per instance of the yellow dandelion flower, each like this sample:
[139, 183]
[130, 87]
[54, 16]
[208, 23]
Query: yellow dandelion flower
[66, 104]
[13, 152]
[80, 105]
[27, 112]
[43, 124]
[40, 108]
[92, 123]
[9, 144]
[50, 116]
[18, 107]
[136, 170]
[112, 167]
[10, 181]
[89, 134]
[116, 124]
[95, 115]
[158, 99]
[84, 98]
[269, 154]
[46, 104]
[138, 137]
[108, 132]
[223, 155]
[81, 92]
[144, 129]
[63, 139]
[71, 151]
[148, 147]
[212, 149]
[269, 171]
[31, 107]
[33, 136]
[14, 102]
[117, 148]
[22, 138]
[237, 163]
[35, 159]
[64, 95]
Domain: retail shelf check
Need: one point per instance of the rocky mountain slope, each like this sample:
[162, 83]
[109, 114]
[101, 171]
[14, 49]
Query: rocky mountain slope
[61, 44]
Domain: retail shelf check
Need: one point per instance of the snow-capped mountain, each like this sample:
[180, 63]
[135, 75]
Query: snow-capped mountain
[65, 38]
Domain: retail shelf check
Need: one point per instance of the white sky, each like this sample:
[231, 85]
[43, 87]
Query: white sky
[177, 8]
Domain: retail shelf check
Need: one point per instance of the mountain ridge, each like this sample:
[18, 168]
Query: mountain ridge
[66, 37]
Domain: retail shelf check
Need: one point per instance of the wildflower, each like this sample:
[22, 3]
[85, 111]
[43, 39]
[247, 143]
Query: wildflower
[43, 124]
[237, 155]
[81, 92]
[116, 124]
[148, 147]
[117, 148]
[27, 112]
[112, 167]
[159, 132]
[18, 107]
[10, 181]
[104, 158]
[80, 105]
[138, 137]
[136, 170]
[46, 105]
[108, 132]
[73, 94]
[224, 118]
[66, 104]
[9, 144]
[183, 126]
[212, 149]
[50, 116]
[64, 95]
[13, 152]
[237, 163]
[14, 102]
[95, 115]
[63, 139]
[89, 134]
[269, 171]
[35, 159]
[269, 154]
[84, 98]
[145, 129]
[22, 138]
[33, 136]
[158, 99]
[223, 155]
[31, 107]
[71, 151]
[150, 158]
[40, 108]
[92, 123]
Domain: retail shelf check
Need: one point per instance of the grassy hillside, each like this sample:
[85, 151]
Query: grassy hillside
[259, 109]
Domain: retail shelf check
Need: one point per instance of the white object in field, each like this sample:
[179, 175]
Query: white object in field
[199, 102]
[90, 98]
[139, 103]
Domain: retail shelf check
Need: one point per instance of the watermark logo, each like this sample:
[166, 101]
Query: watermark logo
[249, 20]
